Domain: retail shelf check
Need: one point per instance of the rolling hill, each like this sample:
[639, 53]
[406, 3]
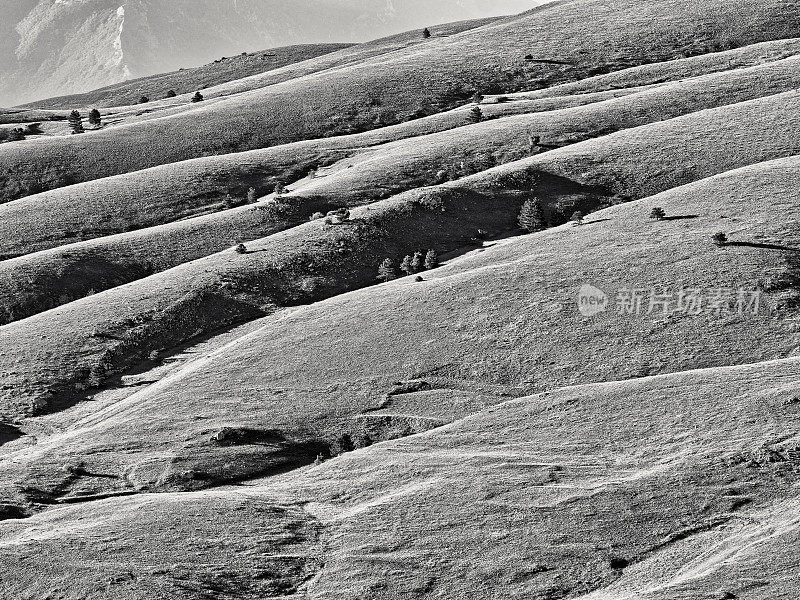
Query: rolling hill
[77, 45]
[387, 88]
[210, 388]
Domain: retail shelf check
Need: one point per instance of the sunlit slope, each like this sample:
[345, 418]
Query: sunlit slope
[492, 325]
[188, 81]
[71, 272]
[442, 70]
[170, 192]
[314, 261]
[220, 78]
[673, 487]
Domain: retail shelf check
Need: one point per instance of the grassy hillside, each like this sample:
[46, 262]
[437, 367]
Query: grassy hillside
[546, 496]
[734, 135]
[170, 192]
[313, 262]
[188, 81]
[243, 73]
[492, 325]
[74, 271]
[392, 87]
[603, 409]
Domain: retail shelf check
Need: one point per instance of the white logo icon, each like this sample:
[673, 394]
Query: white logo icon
[591, 300]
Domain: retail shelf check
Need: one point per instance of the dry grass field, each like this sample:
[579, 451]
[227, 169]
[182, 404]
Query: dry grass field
[184, 417]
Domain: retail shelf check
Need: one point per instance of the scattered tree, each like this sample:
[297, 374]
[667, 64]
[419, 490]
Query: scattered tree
[387, 271]
[171, 94]
[531, 217]
[658, 213]
[419, 278]
[418, 262]
[76, 122]
[144, 100]
[431, 259]
[720, 239]
[426, 33]
[280, 189]
[337, 217]
[533, 143]
[12, 135]
[316, 216]
[241, 249]
[312, 173]
[95, 119]
[33, 129]
[529, 57]
[252, 196]
[198, 97]
[577, 217]
[476, 115]
[406, 265]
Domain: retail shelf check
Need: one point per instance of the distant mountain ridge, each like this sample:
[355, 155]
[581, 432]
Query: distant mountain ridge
[54, 47]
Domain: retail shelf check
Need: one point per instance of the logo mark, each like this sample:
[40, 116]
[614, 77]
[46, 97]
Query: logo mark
[591, 301]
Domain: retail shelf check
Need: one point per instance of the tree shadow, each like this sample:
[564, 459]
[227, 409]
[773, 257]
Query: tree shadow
[680, 217]
[765, 246]
[593, 221]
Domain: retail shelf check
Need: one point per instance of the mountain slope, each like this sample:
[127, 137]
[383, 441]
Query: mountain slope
[440, 71]
[71, 272]
[605, 408]
[313, 374]
[187, 81]
[674, 487]
[69, 47]
[181, 190]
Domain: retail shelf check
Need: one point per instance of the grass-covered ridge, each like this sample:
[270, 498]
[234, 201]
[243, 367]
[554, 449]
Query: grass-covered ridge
[394, 86]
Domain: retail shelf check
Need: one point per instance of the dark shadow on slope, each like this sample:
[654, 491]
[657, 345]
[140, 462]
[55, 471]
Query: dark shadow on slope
[193, 318]
[680, 217]
[764, 246]
[9, 433]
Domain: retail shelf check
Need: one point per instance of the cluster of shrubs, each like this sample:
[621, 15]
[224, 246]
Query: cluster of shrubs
[18, 134]
[334, 217]
[198, 97]
[251, 198]
[531, 216]
[410, 265]
[471, 165]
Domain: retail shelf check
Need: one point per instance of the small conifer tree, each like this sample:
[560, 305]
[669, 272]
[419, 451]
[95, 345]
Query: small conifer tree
[76, 122]
[476, 115]
[406, 265]
[198, 97]
[171, 94]
[387, 271]
[720, 239]
[252, 196]
[95, 119]
[577, 217]
[426, 33]
[431, 260]
[144, 100]
[418, 262]
[531, 217]
[280, 189]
